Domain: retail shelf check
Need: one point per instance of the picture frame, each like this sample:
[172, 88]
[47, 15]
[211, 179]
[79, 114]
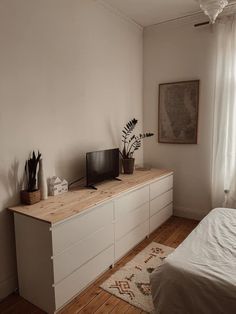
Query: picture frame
[178, 106]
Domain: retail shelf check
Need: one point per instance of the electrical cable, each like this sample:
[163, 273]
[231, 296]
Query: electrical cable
[73, 182]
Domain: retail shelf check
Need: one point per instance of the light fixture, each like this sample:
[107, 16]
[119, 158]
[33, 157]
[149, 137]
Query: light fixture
[212, 8]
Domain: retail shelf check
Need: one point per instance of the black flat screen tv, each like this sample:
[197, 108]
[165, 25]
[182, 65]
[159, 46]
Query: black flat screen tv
[102, 165]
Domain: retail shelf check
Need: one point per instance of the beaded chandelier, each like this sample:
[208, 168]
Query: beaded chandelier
[212, 8]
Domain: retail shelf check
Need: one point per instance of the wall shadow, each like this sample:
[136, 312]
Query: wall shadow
[10, 183]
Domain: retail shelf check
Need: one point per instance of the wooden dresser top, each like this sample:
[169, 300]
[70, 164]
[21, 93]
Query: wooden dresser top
[60, 207]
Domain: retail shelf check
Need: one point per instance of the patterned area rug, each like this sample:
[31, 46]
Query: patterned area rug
[131, 283]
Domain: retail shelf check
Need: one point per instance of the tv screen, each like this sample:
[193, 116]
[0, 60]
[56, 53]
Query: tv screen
[102, 165]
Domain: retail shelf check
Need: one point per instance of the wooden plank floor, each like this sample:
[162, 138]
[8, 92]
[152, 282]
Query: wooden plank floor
[96, 300]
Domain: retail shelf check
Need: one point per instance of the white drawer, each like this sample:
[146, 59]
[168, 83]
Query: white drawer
[130, 201]
[130, 240]
[161, 186]
[159, 218]
[128, 222]
[71, 259]
[72, 231]
[161, 201]
[78, 280]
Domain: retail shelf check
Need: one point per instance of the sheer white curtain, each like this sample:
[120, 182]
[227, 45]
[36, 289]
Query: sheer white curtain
[224, 134]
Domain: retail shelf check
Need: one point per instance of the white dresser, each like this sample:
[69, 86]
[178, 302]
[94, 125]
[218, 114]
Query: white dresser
[66, 242]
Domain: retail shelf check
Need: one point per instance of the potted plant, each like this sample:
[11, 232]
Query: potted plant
[131, 143]
[31, 194]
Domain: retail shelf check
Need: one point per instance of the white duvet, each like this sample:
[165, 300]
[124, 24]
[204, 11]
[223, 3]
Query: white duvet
[199, 277]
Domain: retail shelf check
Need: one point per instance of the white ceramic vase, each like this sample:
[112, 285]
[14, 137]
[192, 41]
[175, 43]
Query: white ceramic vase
[42, 182]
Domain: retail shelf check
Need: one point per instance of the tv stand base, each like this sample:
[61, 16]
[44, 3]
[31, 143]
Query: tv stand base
[117, 179]
[91, 187]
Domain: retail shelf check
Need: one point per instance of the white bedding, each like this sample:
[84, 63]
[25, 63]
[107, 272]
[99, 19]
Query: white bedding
[200, 275]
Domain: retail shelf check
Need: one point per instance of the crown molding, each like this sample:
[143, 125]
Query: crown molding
[193, 18]
[229, 9]
[118, 13]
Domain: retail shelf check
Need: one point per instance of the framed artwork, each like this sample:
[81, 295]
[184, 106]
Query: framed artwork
[178, 112]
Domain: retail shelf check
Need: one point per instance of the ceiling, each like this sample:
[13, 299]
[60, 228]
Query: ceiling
[149, 12]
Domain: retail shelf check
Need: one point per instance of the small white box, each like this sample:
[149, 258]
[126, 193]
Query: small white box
[54, 187]
[64, 186]
[57, 186]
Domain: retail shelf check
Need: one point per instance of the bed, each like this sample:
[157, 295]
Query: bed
[199, 277]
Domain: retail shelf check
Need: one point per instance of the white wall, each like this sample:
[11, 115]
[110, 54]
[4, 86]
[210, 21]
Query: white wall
[71, 76]
[176, 51]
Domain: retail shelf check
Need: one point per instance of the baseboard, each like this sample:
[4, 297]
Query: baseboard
[7, 286]
[189, 213]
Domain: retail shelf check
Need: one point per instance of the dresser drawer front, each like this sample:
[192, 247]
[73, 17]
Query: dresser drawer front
[125, 244]
[160, 202]
[128, 222]
[78, 280]
[130, 201]
[73, 258]
[159, 218]
[161, 186]
[76, 229]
